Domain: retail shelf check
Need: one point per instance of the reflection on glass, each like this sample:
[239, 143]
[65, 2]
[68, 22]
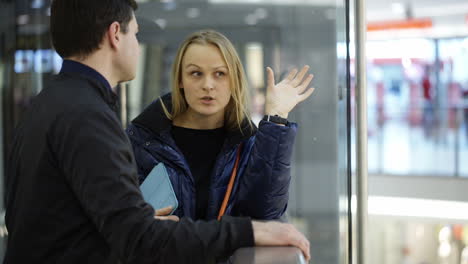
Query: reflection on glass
[282, 35]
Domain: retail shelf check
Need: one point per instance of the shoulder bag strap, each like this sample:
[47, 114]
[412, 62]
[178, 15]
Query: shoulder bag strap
[230, 185]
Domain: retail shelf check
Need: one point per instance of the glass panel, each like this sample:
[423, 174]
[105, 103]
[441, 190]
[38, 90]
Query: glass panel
[282, 35]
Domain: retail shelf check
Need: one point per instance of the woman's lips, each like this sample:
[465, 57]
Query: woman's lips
[207, 99]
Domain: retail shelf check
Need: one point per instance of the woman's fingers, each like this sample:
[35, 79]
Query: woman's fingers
[306, 95]
[298, 80]
[169, 217]
[270, 77]
[163, 211]
[291, 75]
[163, 214]
[301, 88]
[282, 97]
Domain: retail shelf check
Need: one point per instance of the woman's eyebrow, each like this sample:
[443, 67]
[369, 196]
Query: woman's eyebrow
[215, 67]
[191, 64]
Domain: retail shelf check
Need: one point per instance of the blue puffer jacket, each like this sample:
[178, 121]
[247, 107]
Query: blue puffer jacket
[262, 183]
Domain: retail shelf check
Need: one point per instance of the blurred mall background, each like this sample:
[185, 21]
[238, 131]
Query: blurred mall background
[417, 99]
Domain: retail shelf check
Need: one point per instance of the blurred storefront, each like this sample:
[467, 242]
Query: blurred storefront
[417, 55]
[417, 106]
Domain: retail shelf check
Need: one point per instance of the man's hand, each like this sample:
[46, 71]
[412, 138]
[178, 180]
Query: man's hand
[280, 234]
[282, 97]
[163, 214]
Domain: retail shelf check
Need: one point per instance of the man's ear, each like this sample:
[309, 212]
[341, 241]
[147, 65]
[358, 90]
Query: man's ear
[113, 35]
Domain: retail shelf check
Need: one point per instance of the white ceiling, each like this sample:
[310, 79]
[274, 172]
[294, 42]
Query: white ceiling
[384, 9]
[449, 17]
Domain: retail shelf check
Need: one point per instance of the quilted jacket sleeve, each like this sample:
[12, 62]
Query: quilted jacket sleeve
[264, 186]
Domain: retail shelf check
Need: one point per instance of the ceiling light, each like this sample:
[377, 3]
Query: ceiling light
[36, 4]
[261, 13]
[161, 22]
[398, 8]
[193, 12]
[251, 19]
[22, 19]
[169, 5]
[413, 207]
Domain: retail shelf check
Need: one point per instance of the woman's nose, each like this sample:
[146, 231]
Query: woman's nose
[208, 84]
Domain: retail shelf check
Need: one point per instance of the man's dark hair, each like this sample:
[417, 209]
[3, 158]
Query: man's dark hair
[78, 26]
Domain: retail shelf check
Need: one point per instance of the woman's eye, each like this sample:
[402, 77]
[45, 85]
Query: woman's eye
[196, 73]
[220, 74]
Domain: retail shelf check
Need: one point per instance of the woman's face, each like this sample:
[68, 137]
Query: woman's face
[205, 80]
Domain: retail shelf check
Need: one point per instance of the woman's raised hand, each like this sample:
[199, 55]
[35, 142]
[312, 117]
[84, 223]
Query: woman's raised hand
[285, 95]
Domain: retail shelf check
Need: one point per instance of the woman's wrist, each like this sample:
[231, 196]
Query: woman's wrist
[275, 119]
[272, 112]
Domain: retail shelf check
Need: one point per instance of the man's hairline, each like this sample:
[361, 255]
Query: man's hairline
[85, 56]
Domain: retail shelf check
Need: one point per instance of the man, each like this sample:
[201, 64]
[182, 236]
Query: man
[72, 187]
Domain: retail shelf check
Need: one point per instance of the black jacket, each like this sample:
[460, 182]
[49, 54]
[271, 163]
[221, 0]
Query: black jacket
[73, 194]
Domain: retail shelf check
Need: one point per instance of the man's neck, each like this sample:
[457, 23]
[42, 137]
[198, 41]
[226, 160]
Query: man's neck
[99, 64]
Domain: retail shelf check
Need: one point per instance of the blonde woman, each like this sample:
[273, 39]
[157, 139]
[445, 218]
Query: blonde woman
[197, 130]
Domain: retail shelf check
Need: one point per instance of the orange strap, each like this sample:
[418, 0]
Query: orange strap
[230, 185]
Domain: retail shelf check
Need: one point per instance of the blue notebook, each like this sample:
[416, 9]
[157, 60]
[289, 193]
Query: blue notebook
[157, 189]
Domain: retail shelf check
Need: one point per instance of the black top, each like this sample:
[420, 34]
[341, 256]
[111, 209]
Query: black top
[200, 148]
[72, 190]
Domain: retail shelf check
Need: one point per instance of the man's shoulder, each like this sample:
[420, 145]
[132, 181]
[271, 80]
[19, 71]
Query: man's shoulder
[75, 89]
[63, 93]
[67, 101]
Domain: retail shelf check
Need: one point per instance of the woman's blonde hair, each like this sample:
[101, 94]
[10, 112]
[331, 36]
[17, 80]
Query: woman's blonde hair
[236, 110]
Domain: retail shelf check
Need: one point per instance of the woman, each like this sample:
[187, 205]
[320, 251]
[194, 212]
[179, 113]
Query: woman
[197, 130]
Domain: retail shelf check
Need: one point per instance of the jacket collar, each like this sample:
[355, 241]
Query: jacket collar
[79, 70]
[155, 120]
